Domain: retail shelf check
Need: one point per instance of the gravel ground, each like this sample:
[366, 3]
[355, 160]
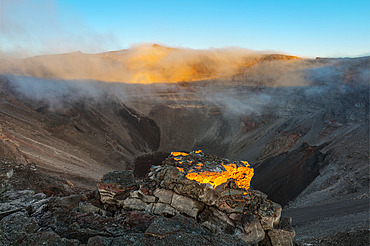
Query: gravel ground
[319, 221]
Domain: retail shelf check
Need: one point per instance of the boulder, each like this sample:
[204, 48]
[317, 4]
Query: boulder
[99, 241]
[175, 231]
[64, 204]
[38, 206]
[16, 227]
[89, 208]
[252, 230]
[163, 195]
[144, 197]
[14, 201]
[163, 209]
[10, 200]
[279, 237]
[136, 204]
[115, 186]
[221, 216]
[181, 230]
[267, 222]
[286, 224]
[186, 205]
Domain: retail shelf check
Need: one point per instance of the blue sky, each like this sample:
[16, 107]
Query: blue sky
[306, 28]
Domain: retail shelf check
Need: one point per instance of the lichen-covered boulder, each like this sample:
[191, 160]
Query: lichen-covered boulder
[214, 192]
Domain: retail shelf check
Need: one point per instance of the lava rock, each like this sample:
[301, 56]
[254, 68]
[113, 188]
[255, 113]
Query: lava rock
[280, 237]
[49, 238]
[137, 204]
[186, 205]
[164, 196]
[163, 209]
[116, 186]
[64, 204]
[227, 209]
[16, 227]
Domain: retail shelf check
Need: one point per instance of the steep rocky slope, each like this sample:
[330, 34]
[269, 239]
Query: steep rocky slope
[82, 140]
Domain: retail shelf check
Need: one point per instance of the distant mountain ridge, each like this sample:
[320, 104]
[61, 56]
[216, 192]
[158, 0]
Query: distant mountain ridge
[143, 64]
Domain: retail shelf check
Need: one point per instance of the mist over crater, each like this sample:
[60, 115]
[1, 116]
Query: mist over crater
[302, 124]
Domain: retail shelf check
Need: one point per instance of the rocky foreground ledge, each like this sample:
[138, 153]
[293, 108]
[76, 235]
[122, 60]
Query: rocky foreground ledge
[164, 208]
[205, 189]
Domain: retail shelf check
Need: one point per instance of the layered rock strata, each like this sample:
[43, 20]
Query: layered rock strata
[225, 208]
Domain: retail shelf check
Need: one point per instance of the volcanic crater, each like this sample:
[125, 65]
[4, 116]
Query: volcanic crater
[308, 145]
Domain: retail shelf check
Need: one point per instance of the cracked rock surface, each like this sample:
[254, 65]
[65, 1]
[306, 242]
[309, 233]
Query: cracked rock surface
[149, 211]
[243, 215]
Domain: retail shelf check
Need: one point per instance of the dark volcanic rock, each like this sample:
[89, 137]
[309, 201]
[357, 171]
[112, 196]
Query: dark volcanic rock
[219, 207]
[16, 227]
[165, 208]
[16, 176]
[181, 230]
[14, 201]
[64, 204]
[49, 238]
[114, 187]
[6, 173]
[134, 239]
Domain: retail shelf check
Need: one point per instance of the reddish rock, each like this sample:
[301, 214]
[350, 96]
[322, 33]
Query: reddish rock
[139, 218]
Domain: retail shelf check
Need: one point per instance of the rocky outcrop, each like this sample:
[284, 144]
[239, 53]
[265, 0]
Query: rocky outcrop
[114, 187]
[242, 214]
[165, 208]
[34, 219]
[21, 215]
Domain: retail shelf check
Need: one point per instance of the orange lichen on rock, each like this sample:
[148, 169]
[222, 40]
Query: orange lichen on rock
[242, 176]
[179, 154]
[208, 169]
[198, 166]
